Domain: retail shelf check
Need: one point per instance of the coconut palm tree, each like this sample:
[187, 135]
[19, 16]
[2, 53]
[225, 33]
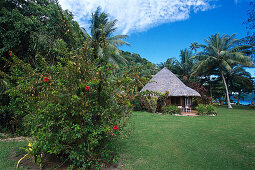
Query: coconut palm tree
[222, 53]
[194, 46]
[105, 46]
[169, 63]
[184, 67]
[239, 81]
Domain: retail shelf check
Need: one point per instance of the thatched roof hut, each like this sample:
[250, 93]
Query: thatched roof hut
[165, 80]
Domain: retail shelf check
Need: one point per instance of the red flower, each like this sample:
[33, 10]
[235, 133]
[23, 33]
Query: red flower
[107, 68]
[87, 88]
[115, 127]
[46, 79]
[10, 54]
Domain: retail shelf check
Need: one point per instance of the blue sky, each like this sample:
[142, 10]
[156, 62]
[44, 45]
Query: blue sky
[159, 29]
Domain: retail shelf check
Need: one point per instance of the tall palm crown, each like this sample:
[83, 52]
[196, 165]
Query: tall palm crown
[194, 46]
[222, 53]
[104, 44]
[239, 79]
[184, 68]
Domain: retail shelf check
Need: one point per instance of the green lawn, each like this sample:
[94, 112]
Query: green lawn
[226, 141]
[7, 150]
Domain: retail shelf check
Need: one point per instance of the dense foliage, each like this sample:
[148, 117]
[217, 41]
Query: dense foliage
[250, 25]
[33, 28]
[58, 88]
[74, 109]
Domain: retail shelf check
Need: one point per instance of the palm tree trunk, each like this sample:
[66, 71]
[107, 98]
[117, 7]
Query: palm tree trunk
[238, 97]
[224, 98]
[226, 87]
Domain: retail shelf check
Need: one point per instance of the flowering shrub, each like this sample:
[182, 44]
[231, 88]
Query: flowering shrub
[204, 99]
[75, 109]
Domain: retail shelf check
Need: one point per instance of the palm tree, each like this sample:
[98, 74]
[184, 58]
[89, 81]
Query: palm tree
[239, 81]
[194, 46]
[184, 68]
[170, 64]
[222, 53]
[105, 46]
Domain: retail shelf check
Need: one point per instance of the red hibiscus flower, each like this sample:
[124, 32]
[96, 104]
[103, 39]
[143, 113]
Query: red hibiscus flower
[115, 127]
[46, 79]
[87, 88]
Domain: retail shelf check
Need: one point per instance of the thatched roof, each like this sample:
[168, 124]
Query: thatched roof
[165, 80]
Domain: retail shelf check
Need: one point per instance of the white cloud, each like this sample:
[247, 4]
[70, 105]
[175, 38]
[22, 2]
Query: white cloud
[135, 15]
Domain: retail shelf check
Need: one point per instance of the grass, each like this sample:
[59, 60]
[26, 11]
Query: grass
[226, 141]
[6, 150]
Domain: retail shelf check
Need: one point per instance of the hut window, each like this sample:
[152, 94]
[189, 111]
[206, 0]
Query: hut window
[175, 100]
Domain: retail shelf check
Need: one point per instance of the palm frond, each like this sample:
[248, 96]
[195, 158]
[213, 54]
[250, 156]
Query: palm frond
[109, 28]
[85, 33]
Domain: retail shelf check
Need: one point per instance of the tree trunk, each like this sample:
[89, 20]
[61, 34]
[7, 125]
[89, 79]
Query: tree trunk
[226, 87]
[224, 99]
[238, 97]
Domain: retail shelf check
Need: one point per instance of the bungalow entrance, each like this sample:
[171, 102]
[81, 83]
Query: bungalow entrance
[179, 101]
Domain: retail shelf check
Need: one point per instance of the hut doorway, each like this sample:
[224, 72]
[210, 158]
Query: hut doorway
[188, 101]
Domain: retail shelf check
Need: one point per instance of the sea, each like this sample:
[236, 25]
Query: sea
[243, 102]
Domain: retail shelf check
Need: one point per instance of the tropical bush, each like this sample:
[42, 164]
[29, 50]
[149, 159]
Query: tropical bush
[201, 108]
[206, 109]
[150, 103]
[74, 109]
[137, 103]
[171, 109]
[211, 109]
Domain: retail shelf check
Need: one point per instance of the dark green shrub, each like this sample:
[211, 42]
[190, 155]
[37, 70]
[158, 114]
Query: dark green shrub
[150, 103]
[206, 109]
[211, 109]
[137, 103]
[74, 110]
[201, 108]
[171, 109]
